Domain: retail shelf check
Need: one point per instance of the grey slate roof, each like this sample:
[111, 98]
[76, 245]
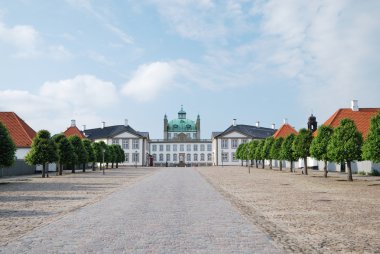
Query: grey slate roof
[111, 131]
[215, 133]
[249, 130]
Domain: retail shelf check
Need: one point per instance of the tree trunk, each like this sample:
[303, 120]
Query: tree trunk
[73, 168]
[93, 166]
[270, 164]
[305, 164]
[263, 166]
[57, 169]
[43, 170]
[280, 165]
[349, 171]
[257, 166]
[117, 165]
[291, 166]
[84, 167]
[107, 165]
[325, 170]
[242, 163]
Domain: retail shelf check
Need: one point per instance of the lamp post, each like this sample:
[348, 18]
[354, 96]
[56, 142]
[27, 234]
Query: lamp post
[135, 159]
[103, 150]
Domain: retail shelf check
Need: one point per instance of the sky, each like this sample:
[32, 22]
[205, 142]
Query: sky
[94, 61]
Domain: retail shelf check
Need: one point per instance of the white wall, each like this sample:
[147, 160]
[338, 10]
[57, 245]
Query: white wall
[21, 153]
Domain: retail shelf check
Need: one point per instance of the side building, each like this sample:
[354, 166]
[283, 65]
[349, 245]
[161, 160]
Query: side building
[134, 143]
[182, 144]
[225, 143]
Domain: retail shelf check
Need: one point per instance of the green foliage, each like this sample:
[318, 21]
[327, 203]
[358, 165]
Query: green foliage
[371, 147]
[265, 152]
[286, 152]
[65, 149]
[318, 148]
[259, 149]
[275, 151]
[375, 172]
[7, 148]
[121, 154]
[362, 173]
[106, 149]
[79, 150]
[345, 143]
[97, 147]
[252, 149]
[301, 144]
[87, 144]
[43, 150]
[238, 153]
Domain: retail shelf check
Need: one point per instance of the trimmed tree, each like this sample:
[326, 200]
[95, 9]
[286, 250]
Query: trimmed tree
[80, 151]
[371, 147]
[87, 144]
[251, 150]
[238, 153]
[265, 153]
[318, 147]
[301, 146]
[7, 148]
[121, 155]
[345, 144]
[43, 151]
[65, 152]
[275, 151]
[97, 147]
[258, 152]
[287, 150]
[113, 154]
[106, 153]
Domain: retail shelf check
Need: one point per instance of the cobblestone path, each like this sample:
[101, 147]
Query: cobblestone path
[172, 211]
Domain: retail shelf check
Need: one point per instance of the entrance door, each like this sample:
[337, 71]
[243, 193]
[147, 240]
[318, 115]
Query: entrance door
[181, 159]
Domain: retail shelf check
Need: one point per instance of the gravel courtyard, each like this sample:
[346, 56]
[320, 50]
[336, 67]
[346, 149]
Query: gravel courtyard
[308, 214]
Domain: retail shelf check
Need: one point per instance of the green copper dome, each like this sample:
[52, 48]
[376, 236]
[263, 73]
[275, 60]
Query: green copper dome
[181, 125]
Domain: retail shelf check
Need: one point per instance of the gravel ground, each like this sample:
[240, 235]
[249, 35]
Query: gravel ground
[31, 201]
[305, 214]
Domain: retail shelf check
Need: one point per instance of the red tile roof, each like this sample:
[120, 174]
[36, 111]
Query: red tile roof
[21, 133]
[73, 130]
[284, 131]
[362, 118]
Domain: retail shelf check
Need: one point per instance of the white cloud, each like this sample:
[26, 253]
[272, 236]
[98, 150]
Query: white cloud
[81, 97]
[149, 80]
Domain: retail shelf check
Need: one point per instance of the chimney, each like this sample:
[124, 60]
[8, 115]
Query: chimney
[285, 120]
[83, 128]
[103, 125]
[72, 123]
[354, 105]
[273, 126]
[125, 122]
[258, 124]
[234, 122]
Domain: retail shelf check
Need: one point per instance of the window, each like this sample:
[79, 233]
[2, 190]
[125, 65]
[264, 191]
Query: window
[195, 147]
[125, 143]
[174, 157]
[233, 157]
[154, 157]
[188, 135]
[188, 148]
[161, 148]
[195, 157]
[135, 157]
[168, 157]
[169, 135]
[202, 157]
[243, 141]
[127, 157]
[115, 141]
[135, 144]
[202, 147]
[167, 148]
[234, 143]
[175, 148]
[188, 157]
[224, 157]
[209, 157]
[209, 147]
[161, 157]
[154, 148]
[224, 143]
[175, 135]
[182, 148]
[194, 135]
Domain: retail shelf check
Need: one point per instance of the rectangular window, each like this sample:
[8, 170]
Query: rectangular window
[195, 157]
[202, 147]
[135, 144]
[233, 157]
[127, 157]
[135, 157]
[243, 141]
[161, 148]
[175, 148]
[202, 157]
[115, 141]
[195, 147]
[154, 148]
[125, 143]
[234, 143]
[209, 147]
[209, 157]
[169, 135]
[161, 157]
[188, 157]
[225, 157]
[175, 157]
[168, 148]
[224, 143]
[168, 157]
[194, 135]
[154, 157]
[188, 148]
[182, 148]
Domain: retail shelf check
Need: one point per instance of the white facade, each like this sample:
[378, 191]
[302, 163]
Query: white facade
[224, 148]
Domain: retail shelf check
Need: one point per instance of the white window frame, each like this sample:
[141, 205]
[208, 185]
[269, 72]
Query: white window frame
[154, 148]
[225, 157]
[168, 148]
[195, 157]
[188, 157]
[224, 143]
[126, 144]
[135, 143]
[234, 143]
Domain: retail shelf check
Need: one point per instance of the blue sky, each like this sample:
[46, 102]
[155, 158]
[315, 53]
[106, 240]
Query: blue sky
[254, 61]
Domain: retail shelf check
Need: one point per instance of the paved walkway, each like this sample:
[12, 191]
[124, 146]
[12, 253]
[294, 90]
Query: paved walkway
[172, 211]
